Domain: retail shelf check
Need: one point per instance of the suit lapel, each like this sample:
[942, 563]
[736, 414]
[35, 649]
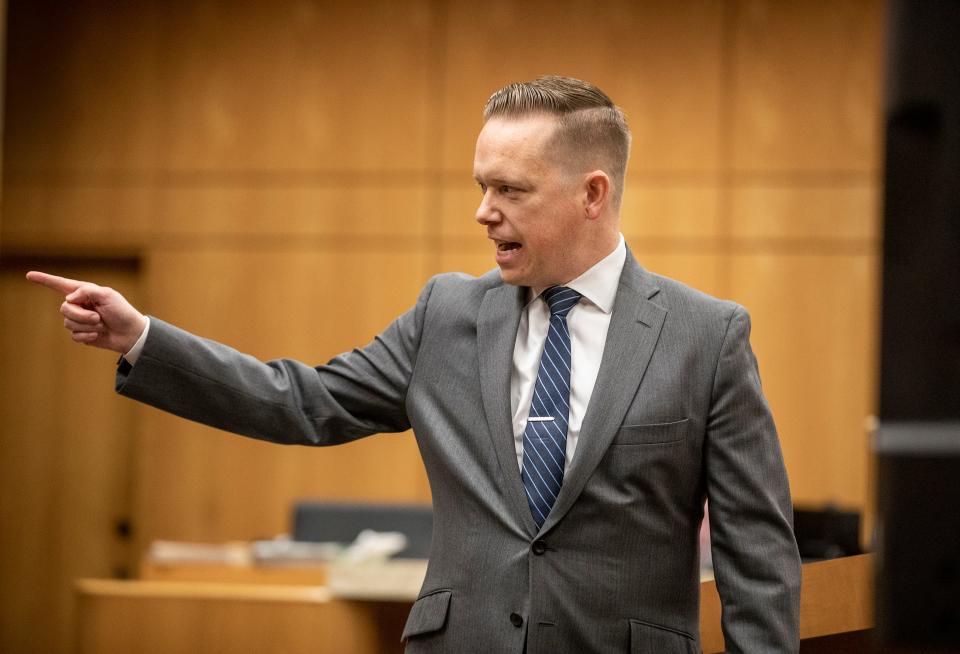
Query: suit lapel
[496, 336]
[633, 334]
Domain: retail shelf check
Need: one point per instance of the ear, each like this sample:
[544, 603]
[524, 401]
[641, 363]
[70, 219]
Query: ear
[598, 193]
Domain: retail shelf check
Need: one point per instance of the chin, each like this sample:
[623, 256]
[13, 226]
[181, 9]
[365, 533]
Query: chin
[514, 277]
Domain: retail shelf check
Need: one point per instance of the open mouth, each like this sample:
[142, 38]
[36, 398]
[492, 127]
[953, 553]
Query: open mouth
[506, 247]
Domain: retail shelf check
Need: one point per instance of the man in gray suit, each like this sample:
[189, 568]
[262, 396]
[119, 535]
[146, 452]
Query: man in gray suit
[573, 412]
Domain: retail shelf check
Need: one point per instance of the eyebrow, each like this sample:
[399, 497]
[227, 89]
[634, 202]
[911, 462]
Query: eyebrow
[497, 181]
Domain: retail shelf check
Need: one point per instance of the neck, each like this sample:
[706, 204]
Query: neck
[599, 249]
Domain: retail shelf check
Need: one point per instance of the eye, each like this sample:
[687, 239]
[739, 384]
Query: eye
[482, 187]
[506, 190]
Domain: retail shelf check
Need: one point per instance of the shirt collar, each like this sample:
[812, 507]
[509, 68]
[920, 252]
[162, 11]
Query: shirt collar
[599, 283]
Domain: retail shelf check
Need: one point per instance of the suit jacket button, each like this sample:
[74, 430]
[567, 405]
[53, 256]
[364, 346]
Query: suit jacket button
[516, 620]
[539, 547]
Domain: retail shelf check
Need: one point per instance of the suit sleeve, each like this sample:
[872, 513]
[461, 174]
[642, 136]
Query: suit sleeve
[357, 393]
[755, 555]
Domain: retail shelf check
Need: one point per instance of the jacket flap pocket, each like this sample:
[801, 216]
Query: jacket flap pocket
[429, 614]
[649, 638]
[661, 432]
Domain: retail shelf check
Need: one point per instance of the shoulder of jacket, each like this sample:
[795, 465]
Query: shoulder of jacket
[463, 284]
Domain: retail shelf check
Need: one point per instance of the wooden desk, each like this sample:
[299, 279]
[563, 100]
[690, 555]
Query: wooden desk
[836, 606]
[173, 617]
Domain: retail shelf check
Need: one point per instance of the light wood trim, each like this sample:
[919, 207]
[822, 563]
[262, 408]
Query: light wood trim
[315, 575]
[203, 590]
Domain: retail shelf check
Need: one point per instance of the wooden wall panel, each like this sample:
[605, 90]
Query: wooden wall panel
[372, 209]
[674, 211]
[198, 484]
[841, 214]
[806, 88]
[658, 62]
[126, 217]
[82, 86]
[271, 302]
[82, 126]
[170, 117]
[703, 271]
[295, 85]
[813, 334]
[66, 450]
[218, 85]
[42, 215]
[284, 300]
[801, 218]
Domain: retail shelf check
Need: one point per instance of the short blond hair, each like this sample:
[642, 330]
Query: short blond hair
[589, 122]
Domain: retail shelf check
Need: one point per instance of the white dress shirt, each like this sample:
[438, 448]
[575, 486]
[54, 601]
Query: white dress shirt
[588, 323]
[134, 352]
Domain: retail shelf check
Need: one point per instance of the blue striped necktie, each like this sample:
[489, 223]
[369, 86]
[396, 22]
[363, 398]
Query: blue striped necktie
[545, 436]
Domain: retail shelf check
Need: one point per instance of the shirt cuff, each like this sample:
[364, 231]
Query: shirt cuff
[134, 353]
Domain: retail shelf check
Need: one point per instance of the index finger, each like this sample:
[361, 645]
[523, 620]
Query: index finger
[62, 284]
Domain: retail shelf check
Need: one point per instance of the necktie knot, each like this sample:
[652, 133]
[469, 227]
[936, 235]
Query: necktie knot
[560, 299]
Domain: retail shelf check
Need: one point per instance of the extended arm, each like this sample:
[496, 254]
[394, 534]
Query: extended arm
[355, 394]
[754, 551]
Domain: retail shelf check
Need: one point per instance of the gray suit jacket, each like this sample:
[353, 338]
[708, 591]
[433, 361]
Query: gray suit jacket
[677, 415]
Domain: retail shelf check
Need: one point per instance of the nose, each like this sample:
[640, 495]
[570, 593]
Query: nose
[486, 212]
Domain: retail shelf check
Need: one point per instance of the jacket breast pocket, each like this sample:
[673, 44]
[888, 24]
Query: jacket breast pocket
[652, 434]
[428, 615]
[649, 638]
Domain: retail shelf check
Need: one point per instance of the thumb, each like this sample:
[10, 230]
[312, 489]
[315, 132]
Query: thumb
[90, 295]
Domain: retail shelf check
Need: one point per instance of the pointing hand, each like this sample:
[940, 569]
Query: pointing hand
[95, 315]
